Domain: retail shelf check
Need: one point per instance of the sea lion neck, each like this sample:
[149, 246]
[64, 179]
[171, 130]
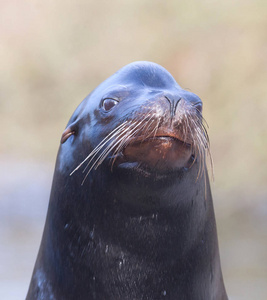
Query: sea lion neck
[143, 216]
[138, 243]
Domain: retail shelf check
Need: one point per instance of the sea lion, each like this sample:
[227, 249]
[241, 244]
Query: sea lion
[130, 214]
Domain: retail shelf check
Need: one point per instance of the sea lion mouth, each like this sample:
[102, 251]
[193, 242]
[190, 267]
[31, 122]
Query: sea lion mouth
[159, 153]
[161, 139]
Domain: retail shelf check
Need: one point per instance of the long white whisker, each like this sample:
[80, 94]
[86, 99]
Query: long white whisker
[105, 153]
[126, 140]
[101, 144]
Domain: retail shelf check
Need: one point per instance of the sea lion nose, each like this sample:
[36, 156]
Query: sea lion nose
[173, 100]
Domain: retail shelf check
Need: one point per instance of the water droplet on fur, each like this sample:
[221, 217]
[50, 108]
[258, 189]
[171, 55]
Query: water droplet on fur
[154, 216]
[121, 261]
[92, 234]
[106, 249]
[164, 293]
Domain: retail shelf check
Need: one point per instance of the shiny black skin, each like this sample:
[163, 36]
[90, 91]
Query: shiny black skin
[122, 235]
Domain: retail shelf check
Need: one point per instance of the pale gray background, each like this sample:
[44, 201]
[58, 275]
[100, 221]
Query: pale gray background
[53, 53]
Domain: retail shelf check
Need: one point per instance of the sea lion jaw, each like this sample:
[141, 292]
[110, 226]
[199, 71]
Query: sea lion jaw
[160, 154]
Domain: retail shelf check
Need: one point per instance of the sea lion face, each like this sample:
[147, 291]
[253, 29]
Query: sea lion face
[138, 119]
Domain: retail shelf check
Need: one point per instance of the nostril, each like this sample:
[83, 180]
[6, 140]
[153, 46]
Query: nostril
[173, 104]
[176, 101]
[198, 106]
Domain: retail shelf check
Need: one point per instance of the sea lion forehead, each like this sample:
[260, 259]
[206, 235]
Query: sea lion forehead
[146, 73]
[135, 78]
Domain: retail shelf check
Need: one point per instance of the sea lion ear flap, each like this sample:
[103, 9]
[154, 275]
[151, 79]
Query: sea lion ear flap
[72, 127]
[70, 130]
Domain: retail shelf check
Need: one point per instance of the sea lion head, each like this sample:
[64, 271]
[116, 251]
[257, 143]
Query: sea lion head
[139, 120]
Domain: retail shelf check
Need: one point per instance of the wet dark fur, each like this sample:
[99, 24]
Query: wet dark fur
[130, 213]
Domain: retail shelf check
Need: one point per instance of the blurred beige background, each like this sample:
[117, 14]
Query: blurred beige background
[53, 53]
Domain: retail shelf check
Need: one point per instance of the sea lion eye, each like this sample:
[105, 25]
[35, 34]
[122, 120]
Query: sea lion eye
[109, 103]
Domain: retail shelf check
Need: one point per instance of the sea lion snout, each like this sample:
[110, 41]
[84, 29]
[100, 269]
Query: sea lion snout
[164, 141]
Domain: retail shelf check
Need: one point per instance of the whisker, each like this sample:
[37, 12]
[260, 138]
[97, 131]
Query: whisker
[101, 144]
[190, 123]
[109, 148]
[126, 135]
[202, 139]
[123, 143]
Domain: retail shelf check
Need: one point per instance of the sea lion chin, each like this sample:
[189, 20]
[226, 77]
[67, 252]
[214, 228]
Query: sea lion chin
[130, 214]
